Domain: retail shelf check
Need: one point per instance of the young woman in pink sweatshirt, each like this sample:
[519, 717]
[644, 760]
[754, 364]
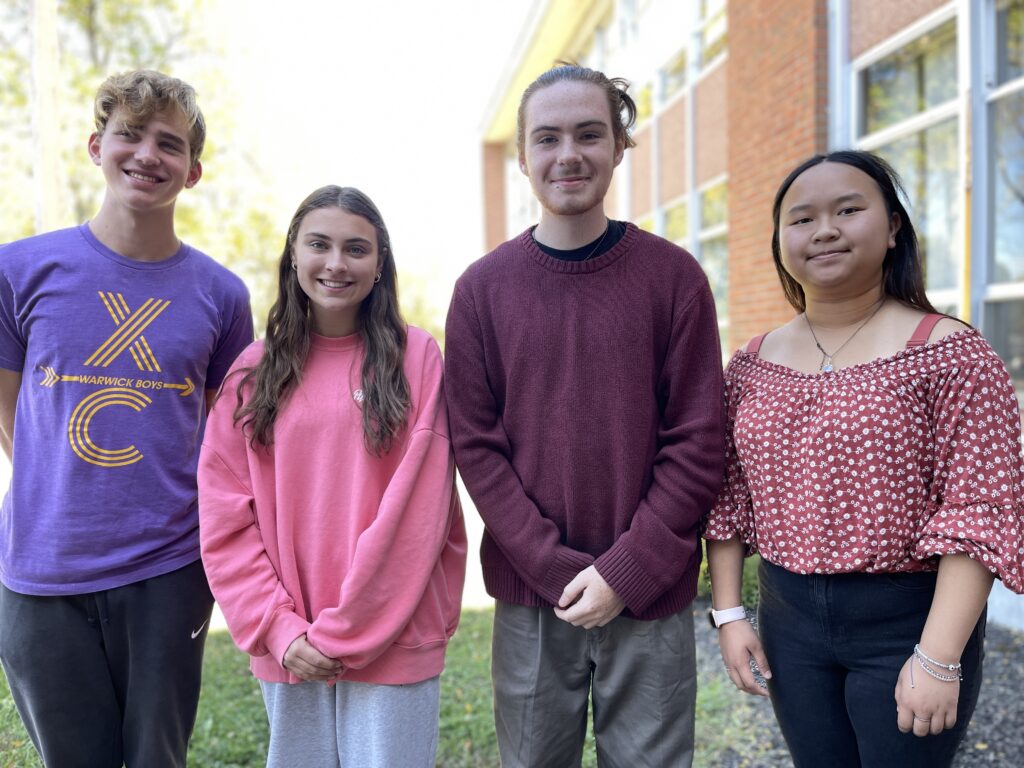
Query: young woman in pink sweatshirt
[330, 528]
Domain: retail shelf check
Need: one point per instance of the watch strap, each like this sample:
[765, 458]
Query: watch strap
[728, 615]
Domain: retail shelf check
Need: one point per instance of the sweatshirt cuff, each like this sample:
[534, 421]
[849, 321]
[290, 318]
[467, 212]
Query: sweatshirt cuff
[627, 578]
[568, 563]
[284, 629]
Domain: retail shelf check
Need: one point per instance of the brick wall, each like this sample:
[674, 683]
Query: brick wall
[777, 76]
[494, 206]
[640, 174]
[712, 124]
[672, 150]
[872, 21]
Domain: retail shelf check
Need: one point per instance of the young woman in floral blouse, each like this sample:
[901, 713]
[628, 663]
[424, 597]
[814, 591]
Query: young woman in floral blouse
[874, 464]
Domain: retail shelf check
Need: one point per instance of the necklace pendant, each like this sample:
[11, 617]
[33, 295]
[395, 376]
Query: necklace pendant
[826, 364]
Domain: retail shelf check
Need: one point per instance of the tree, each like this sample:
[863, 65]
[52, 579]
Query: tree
[96, 38]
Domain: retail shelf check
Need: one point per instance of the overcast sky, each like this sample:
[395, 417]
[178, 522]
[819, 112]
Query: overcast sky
[388, 96]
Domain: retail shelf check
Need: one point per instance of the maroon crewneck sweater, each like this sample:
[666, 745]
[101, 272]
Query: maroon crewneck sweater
[585, 401]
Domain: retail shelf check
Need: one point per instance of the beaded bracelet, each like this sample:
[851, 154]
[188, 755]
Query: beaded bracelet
[928, 664]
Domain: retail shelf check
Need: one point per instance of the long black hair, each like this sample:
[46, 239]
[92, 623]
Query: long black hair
[902, 275]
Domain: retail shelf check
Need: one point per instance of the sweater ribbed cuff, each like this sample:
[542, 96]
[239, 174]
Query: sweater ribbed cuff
[629, 580]
[567, 564]
[284, 628]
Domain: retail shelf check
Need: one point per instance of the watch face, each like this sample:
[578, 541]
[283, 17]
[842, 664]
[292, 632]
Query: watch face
[711, 618]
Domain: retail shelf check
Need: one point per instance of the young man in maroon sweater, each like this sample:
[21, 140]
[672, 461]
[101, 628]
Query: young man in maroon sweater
[584, 384]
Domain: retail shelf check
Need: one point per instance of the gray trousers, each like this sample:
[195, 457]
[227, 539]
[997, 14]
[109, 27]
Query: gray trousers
[352, 725]
[109, 678]
[641, 676]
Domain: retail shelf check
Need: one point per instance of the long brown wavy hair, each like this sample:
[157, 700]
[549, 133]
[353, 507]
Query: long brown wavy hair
[279, 371]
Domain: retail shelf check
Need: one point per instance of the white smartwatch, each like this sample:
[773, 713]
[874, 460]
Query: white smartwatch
[719, 618]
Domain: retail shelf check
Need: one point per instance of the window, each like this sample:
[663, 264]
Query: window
[909, 114]
[1009, 40]
[714, 26]
[1003, 322]
[677, 224]
[914, 79]
[1006, 172]
[644, 103]
[674, 75]
[1003, 293]
[929, 164]
[714, 205]
[713, 245]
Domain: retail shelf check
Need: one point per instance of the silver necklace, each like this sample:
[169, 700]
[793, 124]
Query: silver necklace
[827, 357]
[597, 245]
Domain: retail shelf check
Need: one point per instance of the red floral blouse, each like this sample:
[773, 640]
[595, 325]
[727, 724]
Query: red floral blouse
[878, 468]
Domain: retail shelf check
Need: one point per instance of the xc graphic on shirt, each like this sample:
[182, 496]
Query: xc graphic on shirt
[123, 391]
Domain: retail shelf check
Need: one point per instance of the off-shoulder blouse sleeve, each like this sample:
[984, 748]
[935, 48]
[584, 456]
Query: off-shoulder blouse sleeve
[733, 512]
[976, 505]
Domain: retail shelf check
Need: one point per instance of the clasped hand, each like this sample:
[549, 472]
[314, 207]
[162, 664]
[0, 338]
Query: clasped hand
[587, 601]
[307, 663]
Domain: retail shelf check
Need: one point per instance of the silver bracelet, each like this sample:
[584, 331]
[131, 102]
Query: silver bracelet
[952, 673]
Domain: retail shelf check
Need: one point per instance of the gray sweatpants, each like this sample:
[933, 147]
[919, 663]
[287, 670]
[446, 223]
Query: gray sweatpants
[352, 725]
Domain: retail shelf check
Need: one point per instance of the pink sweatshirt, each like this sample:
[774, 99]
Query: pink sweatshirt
[315, 535]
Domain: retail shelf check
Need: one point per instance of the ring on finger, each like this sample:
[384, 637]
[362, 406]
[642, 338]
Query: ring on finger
[922, 719]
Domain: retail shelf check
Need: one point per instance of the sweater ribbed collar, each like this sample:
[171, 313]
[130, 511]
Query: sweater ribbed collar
[335, 343]
[596, 264]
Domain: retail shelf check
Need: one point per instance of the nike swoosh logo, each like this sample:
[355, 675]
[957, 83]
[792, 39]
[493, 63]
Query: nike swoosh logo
[195, 634]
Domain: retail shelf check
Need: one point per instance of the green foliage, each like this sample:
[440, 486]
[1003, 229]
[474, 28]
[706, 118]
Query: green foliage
[467, 724]
[231, 218]
[419, 307]
[749, 588]
[16, 750]
[231, 725]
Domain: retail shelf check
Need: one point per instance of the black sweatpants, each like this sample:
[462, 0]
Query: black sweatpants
[109, 678]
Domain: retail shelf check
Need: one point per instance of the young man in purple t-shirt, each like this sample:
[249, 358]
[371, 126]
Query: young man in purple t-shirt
[113, 337]
[584, 385]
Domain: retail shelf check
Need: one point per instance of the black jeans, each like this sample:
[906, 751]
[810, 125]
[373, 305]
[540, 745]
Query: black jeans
[109, 678]
[836, 644]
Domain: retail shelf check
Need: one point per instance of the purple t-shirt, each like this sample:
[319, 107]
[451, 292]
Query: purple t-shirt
[115, 355]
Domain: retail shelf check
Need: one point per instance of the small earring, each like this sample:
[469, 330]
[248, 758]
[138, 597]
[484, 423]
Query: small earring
[377, 278]
[295, 267]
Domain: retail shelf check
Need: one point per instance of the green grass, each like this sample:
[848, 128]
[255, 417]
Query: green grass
[231, 725]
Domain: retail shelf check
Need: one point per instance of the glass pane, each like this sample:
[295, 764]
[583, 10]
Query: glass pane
[1004, 329]
[714, 258]
[915, 78]
[1009, 40]
[675, 74]
[713, 208]
[1006, 174]
[714, 39]
[644, 105]
[677, 222]
[711, 7]
[929, 165]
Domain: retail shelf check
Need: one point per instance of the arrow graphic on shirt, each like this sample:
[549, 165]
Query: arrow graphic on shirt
[52, 378]
[188, 387]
